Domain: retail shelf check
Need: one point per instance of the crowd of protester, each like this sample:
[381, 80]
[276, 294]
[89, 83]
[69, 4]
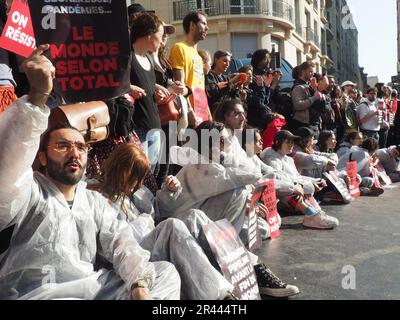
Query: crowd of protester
[121, 218]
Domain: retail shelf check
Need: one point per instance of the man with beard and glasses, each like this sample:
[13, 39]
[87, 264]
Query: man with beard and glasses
[59, 226]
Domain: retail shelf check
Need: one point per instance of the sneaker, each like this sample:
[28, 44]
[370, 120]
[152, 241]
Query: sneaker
[269, 284]
[371, 192]
[320, 221]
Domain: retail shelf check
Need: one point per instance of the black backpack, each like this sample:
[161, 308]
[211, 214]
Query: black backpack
[282, 103]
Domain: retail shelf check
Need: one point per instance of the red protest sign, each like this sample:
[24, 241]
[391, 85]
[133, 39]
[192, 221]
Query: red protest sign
[200, 107]
[269, 199]
[354, 186]
[18, 36]
[89, 47]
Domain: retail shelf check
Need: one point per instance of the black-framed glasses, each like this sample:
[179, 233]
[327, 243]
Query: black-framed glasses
[66, 146]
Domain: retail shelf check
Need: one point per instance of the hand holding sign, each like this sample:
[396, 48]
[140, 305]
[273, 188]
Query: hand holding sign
[40, 73]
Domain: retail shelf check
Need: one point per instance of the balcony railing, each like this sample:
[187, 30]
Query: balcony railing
[275, 8]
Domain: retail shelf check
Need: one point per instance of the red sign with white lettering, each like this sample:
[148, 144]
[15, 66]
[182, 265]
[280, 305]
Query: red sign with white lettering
[354, 186]
[200, 107]
[269, 199]
[18, 36]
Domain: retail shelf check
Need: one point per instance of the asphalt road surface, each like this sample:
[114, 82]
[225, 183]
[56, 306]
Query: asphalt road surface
[360, 260]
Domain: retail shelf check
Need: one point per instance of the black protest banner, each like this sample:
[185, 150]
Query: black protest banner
[338, 185]
[89, 46]
[254, 239]
[233, 259]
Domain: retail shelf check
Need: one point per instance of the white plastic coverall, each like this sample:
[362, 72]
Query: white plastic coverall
[171, 241]
[53, 247]
[219, 191]
[287, 169]
[363, 165]
[391, 165]
[314, 164]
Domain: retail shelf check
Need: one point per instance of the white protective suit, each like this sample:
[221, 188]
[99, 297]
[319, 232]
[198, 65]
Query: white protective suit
[314, 164]
[287, 169]
[53, 248]
[171, 241]
[391, 165]
[363, 165]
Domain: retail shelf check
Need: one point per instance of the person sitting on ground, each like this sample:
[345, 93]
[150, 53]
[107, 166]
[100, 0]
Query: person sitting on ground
[277, 157]
[389, 158]
[352, 139]
[60, 226]
[309, 162]
[326, 142]
[218, 189]
[170, 240]
[364, 155]
[289, 193]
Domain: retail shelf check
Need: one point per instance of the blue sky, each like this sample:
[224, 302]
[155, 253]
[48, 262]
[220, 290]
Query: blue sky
[376, 22]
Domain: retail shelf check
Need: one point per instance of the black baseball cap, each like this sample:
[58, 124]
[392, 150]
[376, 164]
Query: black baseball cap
[283, 135]
[304, 132]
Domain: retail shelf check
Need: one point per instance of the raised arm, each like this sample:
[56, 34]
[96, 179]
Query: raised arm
[20, 128]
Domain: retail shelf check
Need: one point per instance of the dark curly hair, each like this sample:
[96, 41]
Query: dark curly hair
[144, 24]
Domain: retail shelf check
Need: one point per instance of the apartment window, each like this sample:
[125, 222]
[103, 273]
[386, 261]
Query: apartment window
[315, 5]
[243, 6]
[299, 57]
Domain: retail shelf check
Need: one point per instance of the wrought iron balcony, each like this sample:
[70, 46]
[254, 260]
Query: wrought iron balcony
[274, 8]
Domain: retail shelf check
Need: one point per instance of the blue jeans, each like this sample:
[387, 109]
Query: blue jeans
[151, 141]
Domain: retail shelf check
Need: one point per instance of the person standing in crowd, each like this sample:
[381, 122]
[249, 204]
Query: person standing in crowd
[207, 63]
[336, 97]
[349, 107]
[368, 115]
[164, 76]
[146, 37]
[262, 88]
[383, 114]
[304, 98]
[55, 215]
[218, 84]
[186, 62]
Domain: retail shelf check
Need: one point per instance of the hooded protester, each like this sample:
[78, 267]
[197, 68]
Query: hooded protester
[60, 226]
